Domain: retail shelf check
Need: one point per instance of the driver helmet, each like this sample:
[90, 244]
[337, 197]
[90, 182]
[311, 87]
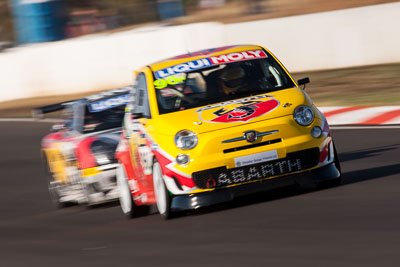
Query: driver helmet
[232, 78]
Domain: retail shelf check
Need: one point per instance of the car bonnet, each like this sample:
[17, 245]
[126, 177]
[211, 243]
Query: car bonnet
[232, 113]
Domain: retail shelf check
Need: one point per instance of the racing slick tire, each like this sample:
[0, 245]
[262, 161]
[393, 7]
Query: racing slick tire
[336, 181]
[128, 206]
[161, 192]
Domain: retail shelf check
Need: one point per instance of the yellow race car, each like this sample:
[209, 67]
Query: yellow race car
[208, 126]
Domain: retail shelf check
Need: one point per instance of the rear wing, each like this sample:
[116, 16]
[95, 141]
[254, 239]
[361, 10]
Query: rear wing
[38, 113]
[97, 101]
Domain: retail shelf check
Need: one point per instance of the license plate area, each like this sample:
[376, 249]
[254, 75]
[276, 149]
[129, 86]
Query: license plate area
[222, 177]
[256, 158]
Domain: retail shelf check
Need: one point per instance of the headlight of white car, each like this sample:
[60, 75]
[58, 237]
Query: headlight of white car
[303, 115]
[186, 139]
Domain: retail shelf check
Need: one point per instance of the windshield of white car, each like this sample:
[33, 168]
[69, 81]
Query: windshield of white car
[103, 120]
[222, 82]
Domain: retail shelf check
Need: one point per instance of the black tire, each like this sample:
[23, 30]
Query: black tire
[337, 161]
[333, 182]
[161, 192]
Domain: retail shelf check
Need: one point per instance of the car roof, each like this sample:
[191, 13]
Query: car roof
[201, 54]
[107, 94]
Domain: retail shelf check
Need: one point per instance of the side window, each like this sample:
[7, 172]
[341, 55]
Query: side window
[141, 96]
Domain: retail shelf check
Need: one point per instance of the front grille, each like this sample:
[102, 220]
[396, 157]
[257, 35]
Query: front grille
[270, 142]
[220, 177]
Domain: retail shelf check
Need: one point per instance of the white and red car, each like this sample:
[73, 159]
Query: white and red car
[79, 153]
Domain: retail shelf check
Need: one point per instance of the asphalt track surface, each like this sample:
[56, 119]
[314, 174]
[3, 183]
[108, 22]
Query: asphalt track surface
[355, 224]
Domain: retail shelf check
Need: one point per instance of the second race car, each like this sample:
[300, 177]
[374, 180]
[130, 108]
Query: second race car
[79, 153]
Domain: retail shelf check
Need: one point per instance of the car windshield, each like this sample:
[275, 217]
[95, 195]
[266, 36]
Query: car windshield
[103, 120]
[198, 83]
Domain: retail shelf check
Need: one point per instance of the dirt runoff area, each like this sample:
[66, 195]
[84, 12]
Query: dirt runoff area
[377, 85]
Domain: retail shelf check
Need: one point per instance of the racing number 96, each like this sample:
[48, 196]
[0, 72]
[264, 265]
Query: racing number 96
[171, 80]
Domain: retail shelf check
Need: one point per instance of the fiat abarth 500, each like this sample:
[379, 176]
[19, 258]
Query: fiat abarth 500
[208, 126]
[79, 153]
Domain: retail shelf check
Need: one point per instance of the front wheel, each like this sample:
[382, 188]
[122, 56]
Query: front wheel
[161, 192]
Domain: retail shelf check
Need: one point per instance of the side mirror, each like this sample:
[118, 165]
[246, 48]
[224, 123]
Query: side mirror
[303, 82]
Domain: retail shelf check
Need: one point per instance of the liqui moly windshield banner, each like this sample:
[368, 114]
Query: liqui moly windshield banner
[208, 62]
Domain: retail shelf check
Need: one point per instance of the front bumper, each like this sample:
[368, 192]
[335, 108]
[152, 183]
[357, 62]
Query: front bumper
[199, 200]
[101, 184]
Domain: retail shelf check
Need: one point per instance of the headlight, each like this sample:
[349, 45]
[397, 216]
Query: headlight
[303, 115]
[182, 159]
[316, 132]
[186, 139]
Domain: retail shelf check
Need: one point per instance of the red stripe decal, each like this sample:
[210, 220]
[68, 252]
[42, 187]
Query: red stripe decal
[387, 116]
[164, 161]
[342, 110]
